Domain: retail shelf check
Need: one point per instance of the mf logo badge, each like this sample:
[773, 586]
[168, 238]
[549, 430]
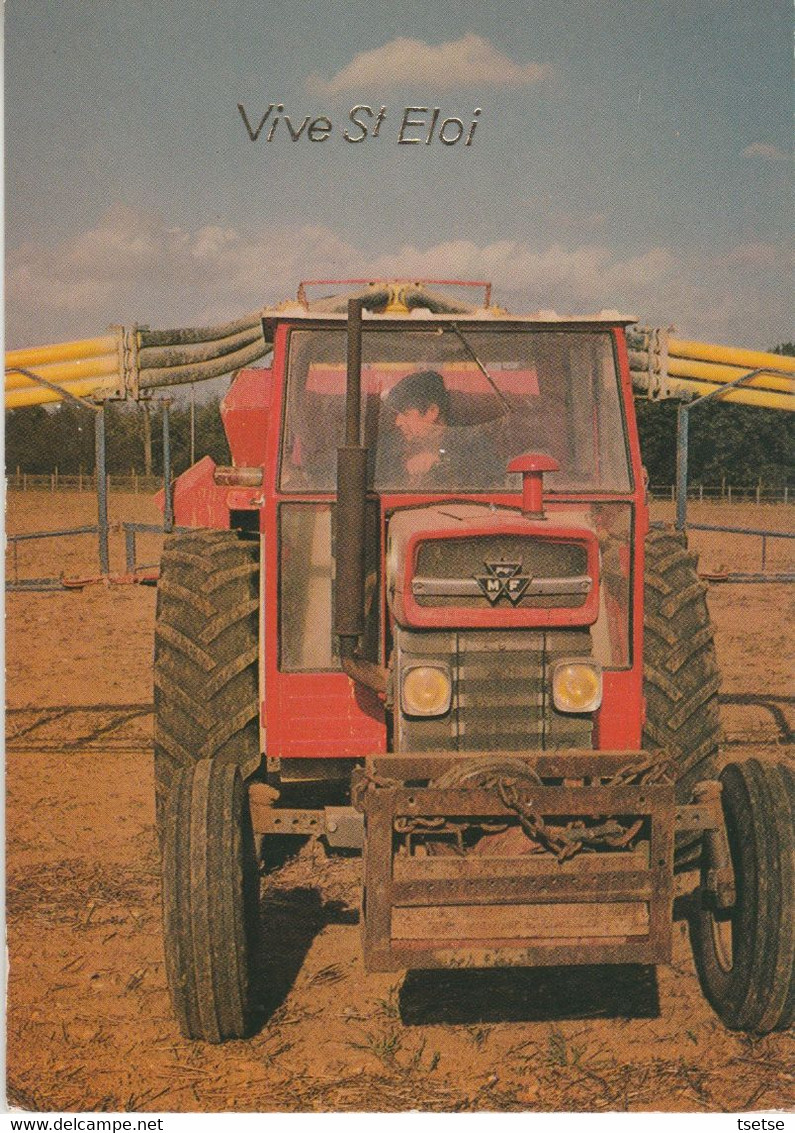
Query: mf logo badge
[503, 579]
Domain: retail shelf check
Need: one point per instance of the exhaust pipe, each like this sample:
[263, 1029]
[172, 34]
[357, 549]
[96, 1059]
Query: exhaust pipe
[351, 497]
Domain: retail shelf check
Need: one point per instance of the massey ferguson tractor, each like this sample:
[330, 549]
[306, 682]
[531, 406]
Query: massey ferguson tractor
[424, 615]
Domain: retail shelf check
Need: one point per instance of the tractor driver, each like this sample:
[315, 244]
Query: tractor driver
[433, 456]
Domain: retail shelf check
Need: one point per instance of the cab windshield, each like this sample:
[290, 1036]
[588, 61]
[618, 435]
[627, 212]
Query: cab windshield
[447, 409]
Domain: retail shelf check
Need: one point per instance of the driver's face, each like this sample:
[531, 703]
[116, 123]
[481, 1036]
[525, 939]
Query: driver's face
[415, 424]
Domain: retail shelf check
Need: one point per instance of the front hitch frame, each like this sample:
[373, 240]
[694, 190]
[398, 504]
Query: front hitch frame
[431, 911]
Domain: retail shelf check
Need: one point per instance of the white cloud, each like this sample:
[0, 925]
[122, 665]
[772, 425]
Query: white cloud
[133, 267]
[467, 62]
[764, 150]
[579, 279]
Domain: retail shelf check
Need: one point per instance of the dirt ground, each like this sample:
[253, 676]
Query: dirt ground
[89, 1022]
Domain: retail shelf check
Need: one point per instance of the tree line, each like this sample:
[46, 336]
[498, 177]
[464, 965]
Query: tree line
[739, 443]
[40, 440]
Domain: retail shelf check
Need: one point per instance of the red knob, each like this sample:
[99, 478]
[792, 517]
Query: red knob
[532, 466]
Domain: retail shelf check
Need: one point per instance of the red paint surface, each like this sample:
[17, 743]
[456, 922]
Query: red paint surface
[245, 412]
[198, 501]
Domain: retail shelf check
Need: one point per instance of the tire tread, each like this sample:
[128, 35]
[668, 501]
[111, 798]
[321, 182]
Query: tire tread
[210, 902]
[681, 678]
[206, 655]
[756, 993]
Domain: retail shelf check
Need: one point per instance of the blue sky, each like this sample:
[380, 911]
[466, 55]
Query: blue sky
[630, 155]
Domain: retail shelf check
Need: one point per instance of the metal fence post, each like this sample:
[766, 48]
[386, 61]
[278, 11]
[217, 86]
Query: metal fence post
[682, 415]
[168, 503]
[129, 549]
[102, 489]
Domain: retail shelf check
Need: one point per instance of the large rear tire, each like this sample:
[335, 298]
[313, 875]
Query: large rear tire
[680, 670]
[210, 902]
[206, 656]
[745, 955]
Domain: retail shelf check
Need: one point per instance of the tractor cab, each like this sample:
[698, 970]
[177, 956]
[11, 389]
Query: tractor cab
[449, 404]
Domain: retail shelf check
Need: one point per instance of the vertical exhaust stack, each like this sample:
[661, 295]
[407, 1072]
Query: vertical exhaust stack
[351, 497]
[532, 466]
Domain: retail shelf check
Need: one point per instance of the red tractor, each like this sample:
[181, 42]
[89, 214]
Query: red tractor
[424, 614]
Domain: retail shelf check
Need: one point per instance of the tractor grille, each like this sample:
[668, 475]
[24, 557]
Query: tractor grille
[502, 690]
[516, 570]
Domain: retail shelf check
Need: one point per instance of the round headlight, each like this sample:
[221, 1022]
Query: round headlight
[426, 691]
[577, 686]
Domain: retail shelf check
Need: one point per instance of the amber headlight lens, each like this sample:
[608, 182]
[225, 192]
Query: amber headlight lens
[426, 691]
[577, 686]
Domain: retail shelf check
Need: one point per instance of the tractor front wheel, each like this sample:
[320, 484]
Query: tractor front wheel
[210, 902]
[745, 955]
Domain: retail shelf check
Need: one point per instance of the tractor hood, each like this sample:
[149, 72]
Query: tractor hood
[476, 566]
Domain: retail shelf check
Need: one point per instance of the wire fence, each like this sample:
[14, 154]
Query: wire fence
[82, 482]
[727, 493]
[138, 483]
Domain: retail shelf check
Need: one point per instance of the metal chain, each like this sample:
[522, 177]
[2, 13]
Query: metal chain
[368, 781]
[565, 841]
